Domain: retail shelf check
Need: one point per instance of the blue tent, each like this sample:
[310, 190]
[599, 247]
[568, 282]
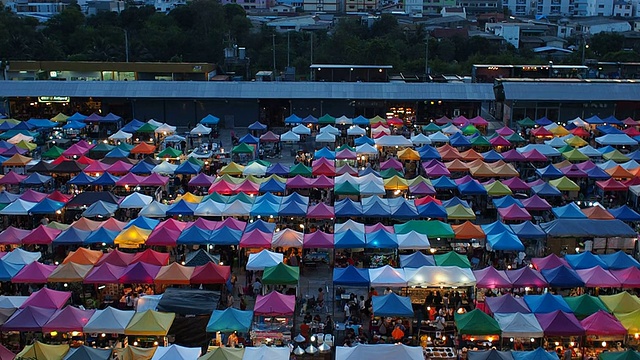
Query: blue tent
[376, 209]
[364, 140]
[349, 239]
[416, 260]
[458, 140]
[249, 139]
[181, 208]
[569, 211]
[273, 185]
[71, 236]
[6, 126]
[562, 277]
[324, 153]
[392, 305]
[367, 171]
[546, 190]
[225, 236]
[100, 209]
[625, 213]
[194, 235]
[619, 260]
[101, 235]
[612, 120]
[351, 276]
[587, 228]
[444, 183]
[347, 208]
[472, 187]
[23, 125]
[265, 208]
[455, 201]
[9, 270]
[432, 210]
[597, 173]
[546, 303]
[594, 120]
[81, 179]
[584, 260]
[117, 153]
[310, 119]
[7, 197]
[46, 206]
[105, 179]
[537, 354]
[491, 156]
[210, 120]
[88, 353]
[506, 241]
[278, 169]
[42, 123]
[550, 172]
[77, 117]
[257, 126]
[143, 223]
[142, 167]
[635, 155]
[528, 230]
[495, 228]
[608, 129]
[36, 179]
[381, 239]
[506, 201]
[187, 168]
[606, 149]
[293, 119]
[261, 225]
[292, 208]
[543, 121]
[132, 126]
[360, 120]
[428, 152]
[229, 320]
[404, 210]
[74, 125]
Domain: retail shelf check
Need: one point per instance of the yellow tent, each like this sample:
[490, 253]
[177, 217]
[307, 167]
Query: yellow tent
[190, 198]
[497, 188]
[576, 141]
[26, 145]
[621, 303]
[223, 353]
[232, 169]
[70, 272]
[395, 183]
[418, 179]
[150, 323]
[135, 353]
[60, 118]
[256, 180]
[459, 212]
[559, 131]
[630, 321]
[408, 154]
[564, 184]
[276, 178]
[132, 237]
[42, 351]
[10, 121]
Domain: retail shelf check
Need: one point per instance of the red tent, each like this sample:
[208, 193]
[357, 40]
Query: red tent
[43, 235]
[580, 132]
[116, 257]
[96, 167]
[541, 132]
[611, 185]
[631, 131]
[104, 274]
[85, 160]
[425, 200]
[211, 273]
[323, 168]
[602, 323]
[58, 196]
[152, 257]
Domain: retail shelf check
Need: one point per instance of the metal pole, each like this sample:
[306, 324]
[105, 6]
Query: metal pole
[288, 46]
[426, 59]
[584, 46]
[126, 45]
[311, 76]
[273, 42]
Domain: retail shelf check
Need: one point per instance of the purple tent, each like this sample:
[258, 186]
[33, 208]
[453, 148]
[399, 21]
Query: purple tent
[13, 236]
[586, 165]
[526, 277]
[139, 273]
[392, 163]
[34, 273]
[536, 203]
[507, 304]
[516, 184]
[490, 278]
[514, 212]
[318, 239]
[504, 131]
[256, 239]
[298, 182]
[322, 182]
[560, 323]
[104, 274]
[512, 156]
[422, 188]
[47, 298]
[573, 171]
[437, 171]
[231, 223]
[30, 318]
[464, 180]
[68, 319]
[548, 262]
[320, 211]
[202, 179]
[534, 155]
[598, 277]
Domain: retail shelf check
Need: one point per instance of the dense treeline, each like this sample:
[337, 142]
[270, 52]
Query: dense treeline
[199, 31]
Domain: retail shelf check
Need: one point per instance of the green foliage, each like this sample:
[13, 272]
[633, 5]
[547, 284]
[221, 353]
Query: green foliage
[604, 43]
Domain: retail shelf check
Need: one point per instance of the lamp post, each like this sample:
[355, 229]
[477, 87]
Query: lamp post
[584, 47]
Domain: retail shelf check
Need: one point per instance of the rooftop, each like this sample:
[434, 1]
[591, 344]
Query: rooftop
[569, 90]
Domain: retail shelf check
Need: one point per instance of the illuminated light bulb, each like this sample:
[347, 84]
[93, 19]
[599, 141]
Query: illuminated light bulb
[604, 344]
[557, 343]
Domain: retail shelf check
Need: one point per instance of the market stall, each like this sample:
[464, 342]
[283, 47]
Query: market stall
[273, 319]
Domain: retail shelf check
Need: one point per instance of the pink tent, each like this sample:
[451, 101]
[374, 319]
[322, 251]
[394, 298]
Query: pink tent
[247, 186]
[139, 273]
[34, 273]
[460, 121]
[320, 211]
[104, 274]
[479, 121]
[204, 224]
[173, 224]
[119, 167]
[392, 163]
[43, 235]
[12, 178]
[629, 277]
[231, 223]
[422, 188]
[130, 179]
[504, 131]
[113, 224]
[152, 257]
[201, 179]
[30, 318]
[323, 167]
[96, 167]
[68, 319]
[222, 187]
[526, 277]
[602, 323]
[346, 169]
[47, 298]
[12, 235]
[548, 262]
[275, 304]
[514, 212]
[116, 257]
[163, 236]
[379, 226]
[598, 277]
[443, 120]
[76, 150]
[6, 354]
[512, 156]
[534, 155]
[85, 144]
[346, 154]
[490, 278]
[516, 184]
[322, 182]
[255, 239]
[586, 165]
[298, 182]
[535, 203]
[318, 239]
[33, 196]
[155, 180]
[499, 141]
[58, 196]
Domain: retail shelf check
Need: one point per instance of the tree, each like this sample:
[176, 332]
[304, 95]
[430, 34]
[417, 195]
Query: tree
[604, 43]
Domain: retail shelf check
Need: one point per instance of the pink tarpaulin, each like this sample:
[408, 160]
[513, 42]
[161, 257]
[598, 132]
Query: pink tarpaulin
[75, 150]
[548, 262]
[173, 224]
[460, 121]
[443, 120]
[33, 196]
[12, 178]
[526, 277]
[6, 354]
[427, 199]
[559, 323]
[602, 323]
[513, 156]
[504, 131]
[346, 154]
[34, 273]
[379, 226]
[119, 167]
[155, 180]
[58, 196]
[392, 163]
[322, 182]
[422, 188]
[275, 304]
[346, 169]
[201, 179]
[516, 184]
[612, 185]
[298, 182]
[536, 203]
[96, 167]
[323, 168]
[534, 155]
[163, 236]
[68, 319]
[437, 171]
[116, 257]
[104, 274]
[320, 211]
[43, 235]
[479, 121]
[247, 186]
[113, 224]
[139, 273]
[204, 224]
[13, 236]
[586, 165]
[152, 257]
[210, 273]
[231, 223]
[499, 141]
[490, 278]
[318, 239]
[222, 187]
[514, 212]
[629, 277]
[47, 298]
[130, 179]
[256, 239]
[598, 277]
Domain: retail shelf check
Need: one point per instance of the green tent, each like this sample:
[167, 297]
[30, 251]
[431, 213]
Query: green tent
[102, 148]
[345, 146]
[431, 127]
[147, 128]
[616, 156]
[515, 138]
[476, 322]
[346, 188]
[242, 148]
[619, 355]
[565, 148]
[216, 197]
[459, 212]
[242, 197]
[574, 155]
[11, 133]
[480, 141]
[281, 274]
[326, 119]
[195, 161]
[261, 162]
[125, 146]
[452, 258]
[431, 228]
[300, 169]
[497, 188]
[584, 305]
[389, 173]
[526, 122]
[470, 130]
[52, 153]
[564, 184]
[170, 153]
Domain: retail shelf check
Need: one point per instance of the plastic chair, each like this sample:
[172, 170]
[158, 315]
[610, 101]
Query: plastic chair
[328, 339]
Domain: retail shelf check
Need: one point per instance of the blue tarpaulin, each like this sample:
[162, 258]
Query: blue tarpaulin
[569, 211]
[102, 235]
[587, 228]
[619, 260]
[416, 260]
[432, 210]
[562, 276]
[506, 201]
[625, 213]
[546, 303]
[381, 239]
[584, 260]
[347, 208]
[229, 320]
[392, 305]
[349, 240]
[505, 241]
[350, 276]
[528, 230]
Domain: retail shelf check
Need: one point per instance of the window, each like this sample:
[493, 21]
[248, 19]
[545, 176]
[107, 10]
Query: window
[601, 6]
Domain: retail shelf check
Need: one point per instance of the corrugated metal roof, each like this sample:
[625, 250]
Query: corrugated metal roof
[571, 91]
[249, 90]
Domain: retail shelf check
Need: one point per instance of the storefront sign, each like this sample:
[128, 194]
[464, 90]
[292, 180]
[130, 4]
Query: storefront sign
[46, 99]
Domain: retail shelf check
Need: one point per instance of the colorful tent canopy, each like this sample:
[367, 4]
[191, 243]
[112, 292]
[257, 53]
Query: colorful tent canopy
[150, 323]
[274, 304]
[476, 322]
[392, 305]
[560, 323]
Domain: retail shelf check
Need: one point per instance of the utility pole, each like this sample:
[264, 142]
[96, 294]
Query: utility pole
[426, 58]
[311, 75]
[288, 46]
[126, 45]
[584, 47]
[273, 43]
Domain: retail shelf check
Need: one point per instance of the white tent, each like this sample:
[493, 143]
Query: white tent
[379, 351]
[154, 210]
[20, 137]
[165, 168]
[413, 240]
[551, 126]
[343, 120]
[579, 122]
[120, 135]
[356, 131]
[165, 129]
[266, 353]
[607, 165]
[631, 164]
[263, 259]
[287, 238]
[519, 325]
[439, 137]
[154, 123]
[21, 257]
[209, 208]
[135, 201]
[148, 302]
[237, 208]
[254, 168]
[18, 207]
[450, 130]
[370, 177]
[436, 276]
[176, 352]
[366, 149]
[393, 140]
[331, 130]
[616, 139]
[325, 137]
[555, 142]
[290, 136]
[109, 321]
[590, 151]
[380, 129]
[346, 177]
[387, 276]
[349, 225]
[200, 130]
[12, 302]
[300, 130]
[372, 188]
[544, 149]
[420, 139]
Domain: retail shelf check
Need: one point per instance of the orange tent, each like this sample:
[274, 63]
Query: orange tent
[448, 152]
[456, 166]
[143, 148]
[505, 170]
[17, 160]
[174, 274]
[618, 172]
[85, 224]
[470, 155]
[468, 230]
[562, 164]
[483, 170]
[83, 256]
[597, 213]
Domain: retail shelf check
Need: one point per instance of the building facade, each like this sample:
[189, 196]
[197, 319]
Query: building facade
[40, 9]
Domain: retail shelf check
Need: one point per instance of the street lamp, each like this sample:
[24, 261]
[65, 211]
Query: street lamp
[584, 47]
